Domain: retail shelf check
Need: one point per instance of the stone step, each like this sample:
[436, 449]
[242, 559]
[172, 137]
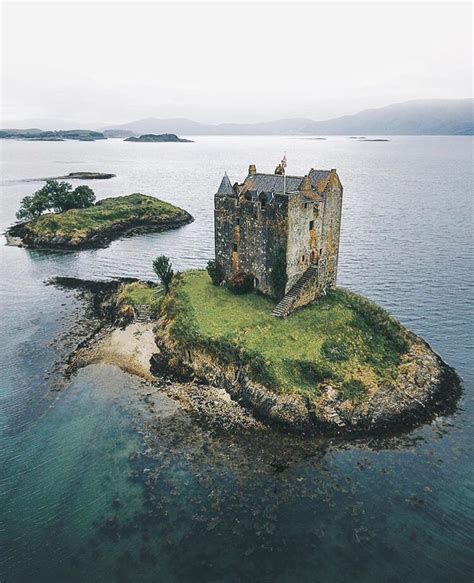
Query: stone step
[283, 308]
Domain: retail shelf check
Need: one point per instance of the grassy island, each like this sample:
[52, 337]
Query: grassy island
[340, 362]
[101, 222]
[156, 138]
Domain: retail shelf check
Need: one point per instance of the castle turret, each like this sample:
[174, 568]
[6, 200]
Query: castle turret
[225, 188]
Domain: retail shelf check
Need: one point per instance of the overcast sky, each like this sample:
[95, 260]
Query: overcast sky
[104, 63]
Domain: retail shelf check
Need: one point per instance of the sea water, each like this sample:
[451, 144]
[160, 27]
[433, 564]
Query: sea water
[74, 500]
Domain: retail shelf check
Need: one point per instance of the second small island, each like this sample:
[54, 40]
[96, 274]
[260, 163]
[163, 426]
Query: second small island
[79, 223]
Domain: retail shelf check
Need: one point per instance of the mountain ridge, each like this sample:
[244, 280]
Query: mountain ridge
[415, 117]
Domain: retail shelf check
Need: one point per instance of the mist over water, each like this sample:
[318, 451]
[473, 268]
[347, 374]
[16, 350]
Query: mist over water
[338, 512]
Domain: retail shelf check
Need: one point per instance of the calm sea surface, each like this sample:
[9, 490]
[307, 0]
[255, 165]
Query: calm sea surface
[396, 511]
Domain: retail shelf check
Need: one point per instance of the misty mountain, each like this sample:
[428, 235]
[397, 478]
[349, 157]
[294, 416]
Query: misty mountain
[189, 127]
[431, 116]
[422, 117]
[152, 125]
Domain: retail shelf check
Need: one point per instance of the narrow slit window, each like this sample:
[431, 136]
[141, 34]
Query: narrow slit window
[311, 225]
[234, 247]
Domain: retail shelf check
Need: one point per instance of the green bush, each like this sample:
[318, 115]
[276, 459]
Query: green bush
[240, 283]
[353, 390]
[215, 271]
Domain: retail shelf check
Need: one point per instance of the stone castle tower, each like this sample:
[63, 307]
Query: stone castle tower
[291, 223]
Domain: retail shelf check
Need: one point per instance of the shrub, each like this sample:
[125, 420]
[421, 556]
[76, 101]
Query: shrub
[240, 283]
[278, 276]
[215, 271]
[353, 390]
[162, 268]
[334, 350]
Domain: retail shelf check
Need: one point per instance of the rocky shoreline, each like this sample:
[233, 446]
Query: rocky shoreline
[221, 397]
[21, 236]
[425, 387]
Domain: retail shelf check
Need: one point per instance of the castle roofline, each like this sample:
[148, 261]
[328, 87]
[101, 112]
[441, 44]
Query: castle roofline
[264, 182]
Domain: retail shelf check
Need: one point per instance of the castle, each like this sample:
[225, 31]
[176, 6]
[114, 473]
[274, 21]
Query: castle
[276, 222]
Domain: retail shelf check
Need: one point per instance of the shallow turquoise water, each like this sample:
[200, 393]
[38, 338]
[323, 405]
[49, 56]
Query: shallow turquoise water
[216, 509]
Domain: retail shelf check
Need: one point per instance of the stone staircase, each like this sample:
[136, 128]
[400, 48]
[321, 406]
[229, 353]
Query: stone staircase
[283, 308]
[142, 313]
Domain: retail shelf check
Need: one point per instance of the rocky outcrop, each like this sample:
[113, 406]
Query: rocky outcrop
[426, 386]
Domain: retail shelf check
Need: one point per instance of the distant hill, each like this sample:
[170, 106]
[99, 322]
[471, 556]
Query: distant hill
[118, 133]
[189, 127]
[421, 117]
[429, 116]
[152, 125]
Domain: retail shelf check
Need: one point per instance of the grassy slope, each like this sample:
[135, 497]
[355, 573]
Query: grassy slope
[139, 293]
[77, 222]
[342, 338]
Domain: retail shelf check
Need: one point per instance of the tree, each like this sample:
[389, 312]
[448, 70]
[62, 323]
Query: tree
[56, 196]
[59, 194]
[83, 197]
[215, 271]
[31, 207]
[162, 268]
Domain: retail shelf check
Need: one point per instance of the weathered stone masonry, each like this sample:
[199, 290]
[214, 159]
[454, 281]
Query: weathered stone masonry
[256, 219]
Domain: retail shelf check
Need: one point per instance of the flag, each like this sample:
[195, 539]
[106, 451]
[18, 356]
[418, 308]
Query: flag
[283, 162]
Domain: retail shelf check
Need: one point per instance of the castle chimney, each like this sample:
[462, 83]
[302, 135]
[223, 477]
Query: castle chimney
[252, 169]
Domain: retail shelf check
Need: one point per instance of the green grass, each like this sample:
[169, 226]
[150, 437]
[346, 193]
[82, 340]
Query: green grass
[342, 338]
[139, 293]
[105, 213]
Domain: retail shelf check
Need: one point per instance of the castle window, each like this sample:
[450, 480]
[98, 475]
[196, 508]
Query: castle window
[234, 247]
[311, 225]
[263, 204]
[238, 220]
[305, 205]
[303, 258]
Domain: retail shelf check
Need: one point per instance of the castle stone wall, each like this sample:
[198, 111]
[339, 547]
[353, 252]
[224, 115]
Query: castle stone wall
[304, 224]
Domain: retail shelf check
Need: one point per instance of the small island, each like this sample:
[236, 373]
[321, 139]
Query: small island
[265, 338]
[157, 138]
[79, 223]
[37, 135]
[85, 176]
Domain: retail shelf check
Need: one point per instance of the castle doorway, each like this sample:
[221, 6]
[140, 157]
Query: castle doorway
[314, 256]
